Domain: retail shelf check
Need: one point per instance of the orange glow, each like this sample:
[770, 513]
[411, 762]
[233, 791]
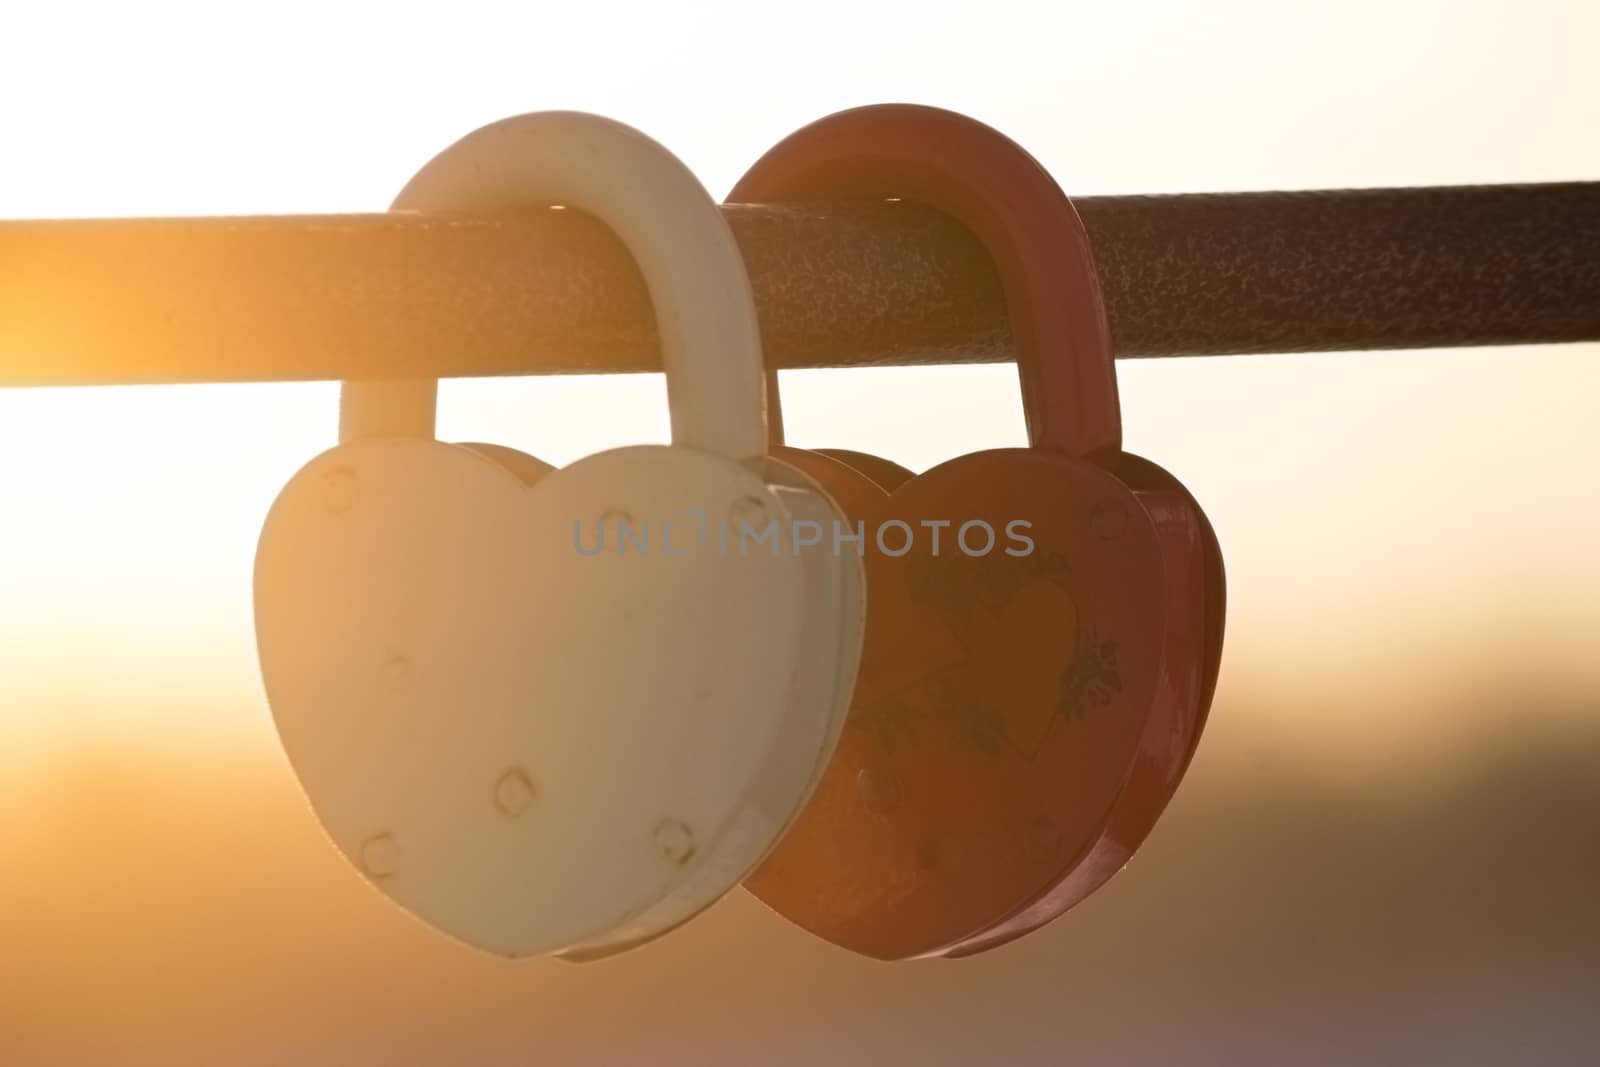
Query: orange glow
[1384, 851]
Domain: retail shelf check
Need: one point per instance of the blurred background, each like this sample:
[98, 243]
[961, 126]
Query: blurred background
[1388, 849]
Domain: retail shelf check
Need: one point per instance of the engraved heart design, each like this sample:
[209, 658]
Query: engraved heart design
[1001, 706]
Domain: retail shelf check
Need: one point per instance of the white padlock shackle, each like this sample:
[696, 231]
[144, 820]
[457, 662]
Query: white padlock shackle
[685, 251]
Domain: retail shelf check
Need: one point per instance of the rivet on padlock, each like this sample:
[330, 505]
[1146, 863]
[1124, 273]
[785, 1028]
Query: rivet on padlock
[1028, 710]
[557, 702]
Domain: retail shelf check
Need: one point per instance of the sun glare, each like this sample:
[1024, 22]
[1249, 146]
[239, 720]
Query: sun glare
[1410, 542]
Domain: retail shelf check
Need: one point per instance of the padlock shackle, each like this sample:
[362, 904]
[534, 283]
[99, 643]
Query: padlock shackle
[990, 184]
[686, 253]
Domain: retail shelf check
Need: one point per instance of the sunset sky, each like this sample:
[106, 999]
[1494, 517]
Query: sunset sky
[1414, 586]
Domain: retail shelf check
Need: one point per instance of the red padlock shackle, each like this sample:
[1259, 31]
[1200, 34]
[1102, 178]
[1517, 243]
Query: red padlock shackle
[990, 184]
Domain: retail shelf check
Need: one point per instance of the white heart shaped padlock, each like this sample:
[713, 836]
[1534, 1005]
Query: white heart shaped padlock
[563, 711]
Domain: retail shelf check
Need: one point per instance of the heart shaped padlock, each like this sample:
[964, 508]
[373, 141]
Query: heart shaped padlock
[562, 711]
[1023, 715]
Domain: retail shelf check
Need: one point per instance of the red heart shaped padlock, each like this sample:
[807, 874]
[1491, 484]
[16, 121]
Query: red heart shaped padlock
[1044, 624]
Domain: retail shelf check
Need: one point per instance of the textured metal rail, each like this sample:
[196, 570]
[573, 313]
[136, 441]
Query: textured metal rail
[543, 292]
